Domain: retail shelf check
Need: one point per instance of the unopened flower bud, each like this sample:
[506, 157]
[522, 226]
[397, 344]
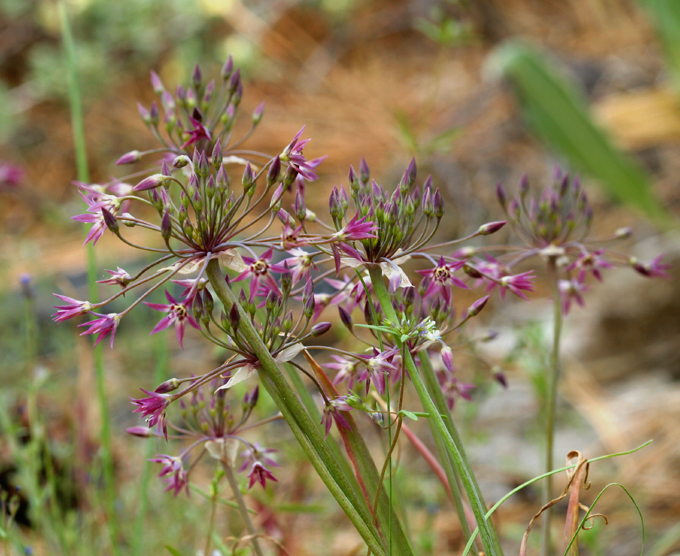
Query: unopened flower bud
[150, 183]
[271, 302]
[166, 226]
[491, 227]
[129, 158]
[346, 318]
[167, 386]
[247, 180]
[409, 296]
[364, 171]
[142, 432]
[489, 336]
[196, 76]
[409, 177]
[234, 82]
[502, 197]
[368, 314]
[274, 171]
[251, 397]
[477, 306]
[110, 220]
[308, 299]
[428, 206]
[499, 376]
[471, 271]
[289, 177]
[447, 358]
[208, 302]
[257, 114]
[320, 329]
[181, 161]
[144, 113]
[234, 318]
[227, 68]
[154, 114]
[354, 182]
[156, 83]
[438, 203]
[217, 155]
[299, 206]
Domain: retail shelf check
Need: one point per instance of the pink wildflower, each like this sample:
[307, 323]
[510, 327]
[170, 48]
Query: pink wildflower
[177, 313]
[104, 325]
[174, 473]
[73, 308]
[153, 408]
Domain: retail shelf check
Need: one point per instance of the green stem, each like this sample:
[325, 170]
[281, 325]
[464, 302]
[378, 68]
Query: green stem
[243, 509]
[302, 426]
[160, 374]
[487, 531]
[550, 405]
[451, 473]
[313, 410]
[83, 175]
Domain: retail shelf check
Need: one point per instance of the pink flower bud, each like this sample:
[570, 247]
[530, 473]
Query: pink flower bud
[129, 158]
[150, 183]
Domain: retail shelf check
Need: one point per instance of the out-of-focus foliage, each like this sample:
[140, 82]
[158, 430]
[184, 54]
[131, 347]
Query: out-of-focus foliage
[556, 112]
[114, 38]
[666, 14]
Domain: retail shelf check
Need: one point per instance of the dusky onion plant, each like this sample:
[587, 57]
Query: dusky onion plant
[253, 265]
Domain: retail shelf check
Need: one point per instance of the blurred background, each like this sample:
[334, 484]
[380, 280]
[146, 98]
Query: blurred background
[387, 81]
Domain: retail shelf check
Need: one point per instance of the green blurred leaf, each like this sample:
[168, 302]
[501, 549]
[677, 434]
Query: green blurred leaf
[172, 551]
[558, 114]
[406, 133]
[666, 14]
[408, 414]
[443, 142]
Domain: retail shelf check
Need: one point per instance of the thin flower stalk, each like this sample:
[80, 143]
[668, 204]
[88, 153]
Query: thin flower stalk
[486, 528]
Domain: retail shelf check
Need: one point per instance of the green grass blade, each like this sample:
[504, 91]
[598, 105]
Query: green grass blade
[561, 118]
[77, 122]
[666, 15]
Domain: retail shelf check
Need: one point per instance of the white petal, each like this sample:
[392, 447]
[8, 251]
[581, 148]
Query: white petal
[238, 160]
[389, 270]
[232, 259]
[240, 375]
[352, 263]
[289, 353]
[191, 267]
[223, 448]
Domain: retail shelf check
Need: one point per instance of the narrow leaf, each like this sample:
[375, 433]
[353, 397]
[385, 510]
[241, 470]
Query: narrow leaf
[560, 117]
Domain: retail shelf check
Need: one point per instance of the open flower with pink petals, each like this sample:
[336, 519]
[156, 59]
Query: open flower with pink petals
[259, 271]
[73, 308]
[441, 279]
[293, 155]
[153, 408]
[178, 313]
[518, 284]
[104, 325]
[173, 473]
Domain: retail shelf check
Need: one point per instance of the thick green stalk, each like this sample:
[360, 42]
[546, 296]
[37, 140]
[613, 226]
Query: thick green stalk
[314, 412]
[83, 175]
[487, 531]
[550, 406]
[304, 429]
[451, 474]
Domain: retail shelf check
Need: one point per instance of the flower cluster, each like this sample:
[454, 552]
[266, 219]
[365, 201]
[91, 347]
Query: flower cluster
[211, 424]
[555, 224]
[286, 266]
